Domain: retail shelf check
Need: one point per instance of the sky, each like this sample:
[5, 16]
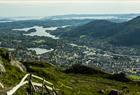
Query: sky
[43, 8]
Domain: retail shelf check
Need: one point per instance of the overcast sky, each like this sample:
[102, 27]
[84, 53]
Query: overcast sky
[12, 8]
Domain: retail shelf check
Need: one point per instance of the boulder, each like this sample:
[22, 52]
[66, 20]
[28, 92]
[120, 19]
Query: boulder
[2, 69]
[115, 92]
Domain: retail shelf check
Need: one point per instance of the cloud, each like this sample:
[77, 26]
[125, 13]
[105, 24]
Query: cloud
[60, 7]
[65, 1]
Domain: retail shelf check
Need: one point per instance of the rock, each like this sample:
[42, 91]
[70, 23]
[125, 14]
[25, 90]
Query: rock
[101, 91]
[1, 85]
[18, 65]
[115, 92]
[72, 81]
[2, 69]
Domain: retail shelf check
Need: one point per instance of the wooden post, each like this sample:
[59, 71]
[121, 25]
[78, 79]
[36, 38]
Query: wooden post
[47, 90]
[42, 87]
[30, 85]
[54, 91]
[33, 87]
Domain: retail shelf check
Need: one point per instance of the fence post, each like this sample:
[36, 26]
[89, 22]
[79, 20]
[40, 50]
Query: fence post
[48, 92]
[54, 91]
[42, 87]
[30, 85]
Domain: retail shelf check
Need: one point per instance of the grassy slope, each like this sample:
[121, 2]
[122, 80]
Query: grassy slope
[77, 84]
[12, 75]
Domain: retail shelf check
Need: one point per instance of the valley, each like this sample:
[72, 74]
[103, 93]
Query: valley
[59, 44]
[51, 47]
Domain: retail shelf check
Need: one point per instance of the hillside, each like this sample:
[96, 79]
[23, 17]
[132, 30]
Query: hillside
[95, 30]
[129, 35]
[9, 73]
[120, 34]
[89, 82]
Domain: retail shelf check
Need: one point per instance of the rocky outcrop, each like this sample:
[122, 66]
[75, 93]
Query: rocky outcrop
[2, 69]
[115, 92]
[6, 58]
[18, 65]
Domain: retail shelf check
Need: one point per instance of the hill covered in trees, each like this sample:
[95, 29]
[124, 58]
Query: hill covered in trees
[120, 34]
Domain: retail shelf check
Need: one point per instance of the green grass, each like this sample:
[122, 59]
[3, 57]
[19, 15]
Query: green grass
[80, 84]
[11, 77]
[134, 77]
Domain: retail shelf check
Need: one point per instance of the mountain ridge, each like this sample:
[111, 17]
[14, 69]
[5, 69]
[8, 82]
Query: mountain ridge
[124, 34]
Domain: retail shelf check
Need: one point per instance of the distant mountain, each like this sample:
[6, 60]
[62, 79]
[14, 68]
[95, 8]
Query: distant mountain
[19, 18]
[129, 34]
[111, 17]
[125, 34]
[95, 29]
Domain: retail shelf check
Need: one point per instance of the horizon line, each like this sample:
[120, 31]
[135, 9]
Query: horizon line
[123, 13]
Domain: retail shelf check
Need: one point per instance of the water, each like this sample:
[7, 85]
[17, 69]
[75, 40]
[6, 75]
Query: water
[40, 50]
[4, 21]
[40, 31]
